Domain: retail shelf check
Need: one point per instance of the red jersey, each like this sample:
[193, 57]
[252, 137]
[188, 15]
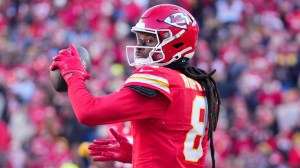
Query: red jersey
[169, 129]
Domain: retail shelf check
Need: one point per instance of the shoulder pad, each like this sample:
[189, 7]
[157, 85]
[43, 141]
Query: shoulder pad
[152, 78]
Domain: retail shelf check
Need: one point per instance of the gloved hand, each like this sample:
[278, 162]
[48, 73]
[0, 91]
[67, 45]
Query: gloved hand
[118, 149]
[68, 62]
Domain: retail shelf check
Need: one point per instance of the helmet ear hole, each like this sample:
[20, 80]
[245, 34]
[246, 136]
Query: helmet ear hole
[177, 45]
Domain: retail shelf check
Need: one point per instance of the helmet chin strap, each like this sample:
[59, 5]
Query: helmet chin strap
[139, 62]
[177, 56]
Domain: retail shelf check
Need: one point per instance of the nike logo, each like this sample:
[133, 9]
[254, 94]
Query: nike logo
[146, 70]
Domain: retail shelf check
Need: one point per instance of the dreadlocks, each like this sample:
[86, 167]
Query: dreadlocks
[212, 93]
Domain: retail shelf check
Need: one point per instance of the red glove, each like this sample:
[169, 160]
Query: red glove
[118, 149]
[68, 62]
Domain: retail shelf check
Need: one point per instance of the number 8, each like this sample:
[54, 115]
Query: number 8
[192, 148]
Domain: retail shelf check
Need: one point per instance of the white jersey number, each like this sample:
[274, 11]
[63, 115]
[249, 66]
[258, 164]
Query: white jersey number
[192, 145]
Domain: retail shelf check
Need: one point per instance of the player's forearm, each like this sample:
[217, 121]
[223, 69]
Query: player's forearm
[80, 98]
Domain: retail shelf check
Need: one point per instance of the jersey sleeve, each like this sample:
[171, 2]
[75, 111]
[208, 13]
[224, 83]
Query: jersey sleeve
[150, 77]
[120, 106]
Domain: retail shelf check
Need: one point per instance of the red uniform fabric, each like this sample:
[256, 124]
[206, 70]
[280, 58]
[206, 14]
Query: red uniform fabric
[169, 130]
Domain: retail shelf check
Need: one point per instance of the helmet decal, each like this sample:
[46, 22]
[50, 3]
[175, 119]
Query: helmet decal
[178, 20]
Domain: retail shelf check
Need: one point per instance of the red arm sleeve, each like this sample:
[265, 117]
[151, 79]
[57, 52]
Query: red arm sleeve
[124, 105]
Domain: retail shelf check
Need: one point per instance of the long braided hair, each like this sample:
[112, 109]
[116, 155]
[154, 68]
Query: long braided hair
[212, 93]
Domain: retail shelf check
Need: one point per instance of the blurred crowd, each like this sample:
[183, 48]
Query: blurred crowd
[253, 44]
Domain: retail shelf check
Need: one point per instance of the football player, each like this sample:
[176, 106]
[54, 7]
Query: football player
[173, 106]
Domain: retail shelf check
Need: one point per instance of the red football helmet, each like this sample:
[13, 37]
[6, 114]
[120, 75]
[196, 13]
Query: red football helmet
[176, 31]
